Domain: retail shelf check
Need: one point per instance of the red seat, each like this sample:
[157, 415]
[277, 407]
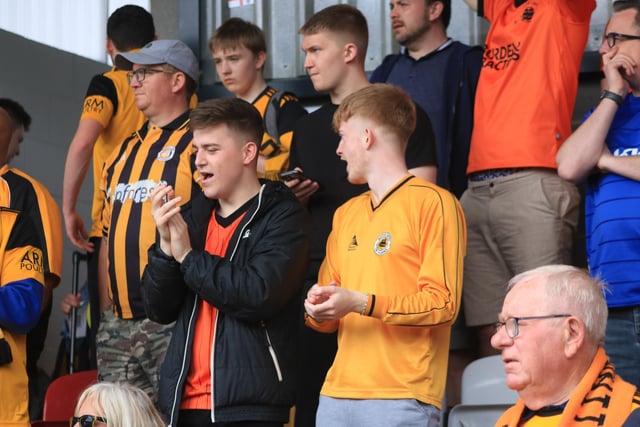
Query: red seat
[61, 397]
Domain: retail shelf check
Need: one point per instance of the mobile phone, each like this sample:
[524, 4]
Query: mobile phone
[293, 174]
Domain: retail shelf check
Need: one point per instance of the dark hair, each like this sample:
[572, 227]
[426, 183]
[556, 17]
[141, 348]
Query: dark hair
[240, 117]
[446, 11]
[130, 27]
[341, 19]
[620, 5]
[18, 114]
[235, 32]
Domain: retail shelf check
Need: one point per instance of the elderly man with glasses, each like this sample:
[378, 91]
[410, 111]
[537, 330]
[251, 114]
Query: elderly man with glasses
[550, 333]
[605, 152]
[163, 75]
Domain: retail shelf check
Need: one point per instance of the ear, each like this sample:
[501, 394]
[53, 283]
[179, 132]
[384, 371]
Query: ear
[350, 52]
[369, 138]
[260, 58]
[435, 10]
[178, 81]
[111, 49]
[249, 152]
[574, 336]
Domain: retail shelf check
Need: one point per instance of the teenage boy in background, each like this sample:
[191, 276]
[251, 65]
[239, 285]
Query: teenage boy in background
[239, 52]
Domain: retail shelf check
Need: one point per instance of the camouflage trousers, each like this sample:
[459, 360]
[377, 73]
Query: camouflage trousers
[131, 351]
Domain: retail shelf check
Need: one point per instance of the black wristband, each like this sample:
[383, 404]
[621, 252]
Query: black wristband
[607, 94]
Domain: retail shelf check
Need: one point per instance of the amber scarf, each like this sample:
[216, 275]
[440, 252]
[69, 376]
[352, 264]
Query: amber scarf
[601, 399]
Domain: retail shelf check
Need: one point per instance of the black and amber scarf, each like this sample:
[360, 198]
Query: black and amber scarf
[601, 399]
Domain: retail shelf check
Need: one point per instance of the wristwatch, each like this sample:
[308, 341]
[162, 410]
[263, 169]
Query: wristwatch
[607, 94]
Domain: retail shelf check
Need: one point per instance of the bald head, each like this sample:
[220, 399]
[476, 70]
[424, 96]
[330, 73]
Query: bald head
[6, 130]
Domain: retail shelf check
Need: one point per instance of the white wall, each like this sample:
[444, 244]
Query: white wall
[76, 26]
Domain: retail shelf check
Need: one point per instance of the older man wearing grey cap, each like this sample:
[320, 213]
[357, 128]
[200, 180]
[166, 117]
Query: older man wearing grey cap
[163, 75]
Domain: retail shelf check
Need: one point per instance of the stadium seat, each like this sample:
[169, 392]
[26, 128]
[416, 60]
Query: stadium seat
[61, 398]
[484, 395]
[483, 383]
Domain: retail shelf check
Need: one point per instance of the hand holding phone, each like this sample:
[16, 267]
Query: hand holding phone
[304, 188]
[293, 174]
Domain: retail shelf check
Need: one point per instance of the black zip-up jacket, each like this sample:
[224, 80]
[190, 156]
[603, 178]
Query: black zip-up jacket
[255, 288]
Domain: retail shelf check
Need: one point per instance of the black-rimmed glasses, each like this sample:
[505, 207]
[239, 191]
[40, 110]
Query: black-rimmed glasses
[86, 420]
[141, 73]
[512, 327]
[613, 37]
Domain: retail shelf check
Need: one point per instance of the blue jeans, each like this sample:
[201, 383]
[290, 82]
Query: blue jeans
[622, 342]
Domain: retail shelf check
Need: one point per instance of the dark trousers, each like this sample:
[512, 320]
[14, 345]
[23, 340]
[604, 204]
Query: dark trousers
[316, 352]
[94, 299]
[38, 381]
[202, 418]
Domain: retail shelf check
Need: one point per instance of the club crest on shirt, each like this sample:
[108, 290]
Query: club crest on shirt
[382, 244]
[166, 153]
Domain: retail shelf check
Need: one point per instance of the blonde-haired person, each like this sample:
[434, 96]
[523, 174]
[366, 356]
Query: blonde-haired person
[116, 405]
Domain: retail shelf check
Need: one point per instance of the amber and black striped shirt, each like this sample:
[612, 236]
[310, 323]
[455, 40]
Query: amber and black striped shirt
[149, 157]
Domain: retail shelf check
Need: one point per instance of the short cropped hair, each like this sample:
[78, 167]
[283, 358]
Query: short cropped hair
[384, 104]
[6, 132]
[240, 117]
[190, 85]
[236, 32]
[620, 5]
[130, 27]
[341, 19]
[123, 405]
[572, 289]
[18, 114]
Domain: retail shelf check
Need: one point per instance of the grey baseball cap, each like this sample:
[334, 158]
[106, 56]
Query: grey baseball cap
[172, 52]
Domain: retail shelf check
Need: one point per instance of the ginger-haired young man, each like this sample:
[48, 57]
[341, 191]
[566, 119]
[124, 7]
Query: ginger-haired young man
[391, 281]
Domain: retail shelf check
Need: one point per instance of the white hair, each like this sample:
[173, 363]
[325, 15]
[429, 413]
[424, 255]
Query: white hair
[123, 405]
[573, 289]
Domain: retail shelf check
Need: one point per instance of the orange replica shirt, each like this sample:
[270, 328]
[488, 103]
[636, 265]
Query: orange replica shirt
[528, 83]
[407, 250]
[198, 389]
